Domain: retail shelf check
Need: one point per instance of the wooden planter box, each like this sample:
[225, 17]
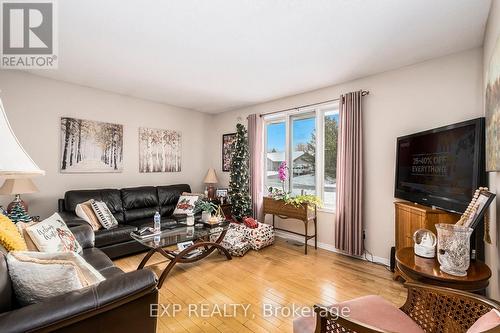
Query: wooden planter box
[281, 209]
[305, 213]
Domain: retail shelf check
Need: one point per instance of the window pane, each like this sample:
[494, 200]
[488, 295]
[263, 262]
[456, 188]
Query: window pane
[331, 135]
[275, 148]
[303, 154]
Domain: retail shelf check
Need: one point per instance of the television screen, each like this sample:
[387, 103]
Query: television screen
[441, 167]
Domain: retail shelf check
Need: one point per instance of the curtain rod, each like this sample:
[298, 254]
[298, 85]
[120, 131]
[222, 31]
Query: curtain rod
[363, 93]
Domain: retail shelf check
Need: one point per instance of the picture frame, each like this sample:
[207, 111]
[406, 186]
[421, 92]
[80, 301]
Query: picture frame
[482, 203]
[221, 192]
[227, 150]
[90, 146]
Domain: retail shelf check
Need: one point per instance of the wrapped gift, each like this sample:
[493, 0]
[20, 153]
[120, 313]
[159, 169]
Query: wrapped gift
[259, 237]
[234, 241]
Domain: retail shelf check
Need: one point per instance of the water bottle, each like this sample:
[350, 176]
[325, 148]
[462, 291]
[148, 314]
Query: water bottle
[157, 224]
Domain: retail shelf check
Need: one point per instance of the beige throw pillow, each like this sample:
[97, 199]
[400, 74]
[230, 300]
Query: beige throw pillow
[52, 235]
[84, 210]
[39, 275]
[21, 226]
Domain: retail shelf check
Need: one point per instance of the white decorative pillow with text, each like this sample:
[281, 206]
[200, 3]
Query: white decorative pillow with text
[53, 235]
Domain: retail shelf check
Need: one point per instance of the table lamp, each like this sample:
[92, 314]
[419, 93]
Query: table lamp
[18, 186]
[15, 163]
[210, 181]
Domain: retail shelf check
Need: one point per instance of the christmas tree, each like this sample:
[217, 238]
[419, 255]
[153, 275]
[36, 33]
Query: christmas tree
[239, 192]
[18, 214]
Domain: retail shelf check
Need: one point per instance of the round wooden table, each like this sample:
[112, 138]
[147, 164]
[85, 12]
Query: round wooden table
[411, 267]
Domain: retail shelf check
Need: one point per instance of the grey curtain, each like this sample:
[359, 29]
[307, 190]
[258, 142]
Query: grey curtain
[256, 146]
[349, 215]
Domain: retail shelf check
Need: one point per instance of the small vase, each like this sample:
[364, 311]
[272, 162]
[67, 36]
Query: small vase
[205, 216]
[453, 247]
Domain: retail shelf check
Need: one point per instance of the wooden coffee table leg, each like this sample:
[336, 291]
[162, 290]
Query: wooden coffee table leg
[180, 257]
[146, 258]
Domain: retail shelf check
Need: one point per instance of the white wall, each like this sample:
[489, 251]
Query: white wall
[493, 251]
[34, 106]
[414, 98]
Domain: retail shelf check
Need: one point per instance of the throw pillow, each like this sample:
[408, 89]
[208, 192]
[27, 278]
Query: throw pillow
[52, 235]
[10, 238]
[21, 227]
[103, 214]
[185, 205]
[84, 210]
[38, 275]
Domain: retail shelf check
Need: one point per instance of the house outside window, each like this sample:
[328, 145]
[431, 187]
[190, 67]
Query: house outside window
[307, 140]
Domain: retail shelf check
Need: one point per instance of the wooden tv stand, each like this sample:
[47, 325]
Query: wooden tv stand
[410, 217]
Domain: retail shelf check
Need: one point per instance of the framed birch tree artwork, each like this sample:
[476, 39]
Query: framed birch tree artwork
[493, 111]
[159, 150]
[89, 146]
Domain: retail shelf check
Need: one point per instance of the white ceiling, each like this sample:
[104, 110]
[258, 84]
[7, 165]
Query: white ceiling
[217, 55]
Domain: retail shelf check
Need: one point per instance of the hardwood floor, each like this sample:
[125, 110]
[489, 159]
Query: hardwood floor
[277, 277]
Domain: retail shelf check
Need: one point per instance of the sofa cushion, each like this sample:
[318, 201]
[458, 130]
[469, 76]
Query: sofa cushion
[168, 197]
[113, 236]
[139, 202]
[371, 310]
[111, 197]
[98, 259]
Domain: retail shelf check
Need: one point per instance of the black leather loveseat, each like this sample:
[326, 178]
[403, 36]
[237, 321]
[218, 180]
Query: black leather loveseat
[121, 303]
[132, 207]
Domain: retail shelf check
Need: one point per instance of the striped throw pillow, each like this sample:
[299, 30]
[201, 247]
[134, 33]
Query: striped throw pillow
[103, 214]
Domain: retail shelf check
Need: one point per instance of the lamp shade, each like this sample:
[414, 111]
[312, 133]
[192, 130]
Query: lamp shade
[18, 186]
[15, 162]
[211, 177]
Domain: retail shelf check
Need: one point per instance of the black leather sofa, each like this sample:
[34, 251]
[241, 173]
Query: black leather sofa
[132, 207]
[119, 304]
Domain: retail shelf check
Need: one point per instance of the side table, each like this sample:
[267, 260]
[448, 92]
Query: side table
[411, 267]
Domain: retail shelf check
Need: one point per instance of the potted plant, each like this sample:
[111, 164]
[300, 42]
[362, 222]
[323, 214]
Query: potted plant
[205, 207]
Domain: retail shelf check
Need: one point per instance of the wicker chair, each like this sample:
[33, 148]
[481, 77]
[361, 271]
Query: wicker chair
[434, 309]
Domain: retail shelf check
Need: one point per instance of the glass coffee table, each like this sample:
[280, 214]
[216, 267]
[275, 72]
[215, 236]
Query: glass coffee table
[202, 245]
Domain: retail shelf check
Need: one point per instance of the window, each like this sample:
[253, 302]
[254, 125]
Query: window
[331, 121]
[275, 151]
[307, 141]
[303, 161]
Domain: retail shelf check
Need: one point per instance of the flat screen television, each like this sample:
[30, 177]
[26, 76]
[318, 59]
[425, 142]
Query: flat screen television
[441, 167]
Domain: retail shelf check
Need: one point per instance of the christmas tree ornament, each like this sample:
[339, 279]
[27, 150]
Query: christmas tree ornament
[19, 214]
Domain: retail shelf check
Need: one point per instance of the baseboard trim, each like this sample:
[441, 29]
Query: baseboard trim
[328, 247]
